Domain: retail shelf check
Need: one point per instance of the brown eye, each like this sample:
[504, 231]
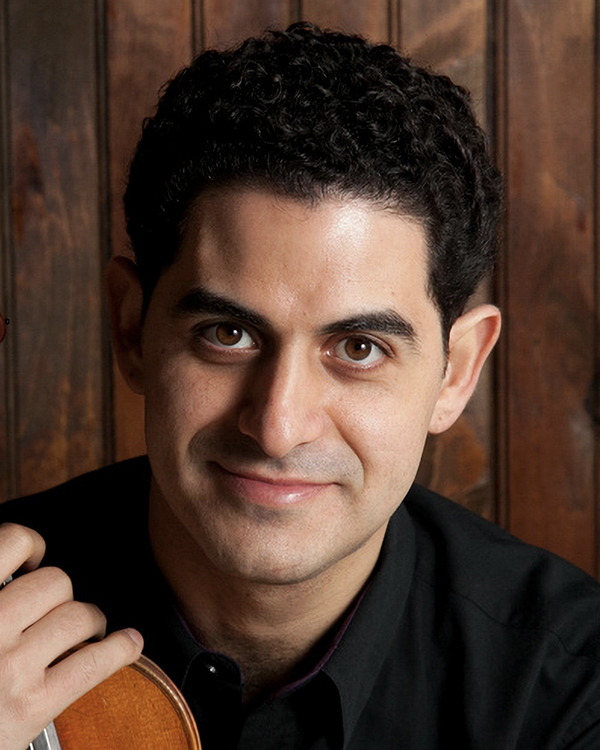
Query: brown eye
[358, 350]
[228, 335]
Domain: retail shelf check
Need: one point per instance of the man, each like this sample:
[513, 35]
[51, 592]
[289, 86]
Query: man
[310, 215]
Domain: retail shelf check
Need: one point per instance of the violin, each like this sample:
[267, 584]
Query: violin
[139, 707]
[3, 323]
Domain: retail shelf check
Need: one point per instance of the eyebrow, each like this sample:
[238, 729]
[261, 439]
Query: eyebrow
[200, 301]
[384, 321]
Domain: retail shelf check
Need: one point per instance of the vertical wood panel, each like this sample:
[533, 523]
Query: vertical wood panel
[6, 458]
[549, 273]
[372, 19]
[148, 41]
[594, 402]
[57, 309]
[451, 37]
[227, 22]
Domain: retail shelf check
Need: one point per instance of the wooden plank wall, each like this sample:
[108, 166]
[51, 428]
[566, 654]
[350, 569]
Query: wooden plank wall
[76, 79]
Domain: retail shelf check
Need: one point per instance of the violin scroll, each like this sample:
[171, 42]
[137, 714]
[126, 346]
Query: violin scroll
[3, 323]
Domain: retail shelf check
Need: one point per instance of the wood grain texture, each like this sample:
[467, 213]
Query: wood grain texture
[57, 256]
[148, 41]
[372, 18]
[549, 271]
[6, 350]
[452, 38]
[227, 22]
[138, 707]
[594, 400]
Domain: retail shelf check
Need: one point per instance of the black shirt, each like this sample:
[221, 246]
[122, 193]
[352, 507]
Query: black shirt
[464, 636]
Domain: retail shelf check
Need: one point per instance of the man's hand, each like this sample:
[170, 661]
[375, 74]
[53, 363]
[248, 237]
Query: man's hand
[39, 622]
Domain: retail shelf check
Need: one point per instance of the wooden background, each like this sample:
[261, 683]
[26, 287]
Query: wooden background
[76, 79]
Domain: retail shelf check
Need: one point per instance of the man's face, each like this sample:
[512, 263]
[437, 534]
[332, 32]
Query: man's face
[292, 361]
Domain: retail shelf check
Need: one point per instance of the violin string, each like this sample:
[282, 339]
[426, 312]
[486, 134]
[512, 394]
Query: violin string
[47, 740]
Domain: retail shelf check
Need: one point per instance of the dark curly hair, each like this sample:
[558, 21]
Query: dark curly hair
[311, 114]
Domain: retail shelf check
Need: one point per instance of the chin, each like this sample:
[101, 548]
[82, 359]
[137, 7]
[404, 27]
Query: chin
[266, 567]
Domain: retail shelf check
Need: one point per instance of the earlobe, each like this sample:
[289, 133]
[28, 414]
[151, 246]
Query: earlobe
[125, 302]
[471, 341]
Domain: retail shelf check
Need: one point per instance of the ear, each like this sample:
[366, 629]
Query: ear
[471, 340]
[125, 299]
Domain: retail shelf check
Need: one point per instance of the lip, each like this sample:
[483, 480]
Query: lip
[270, 491]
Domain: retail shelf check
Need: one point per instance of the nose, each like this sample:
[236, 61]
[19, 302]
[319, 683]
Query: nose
[283, 405]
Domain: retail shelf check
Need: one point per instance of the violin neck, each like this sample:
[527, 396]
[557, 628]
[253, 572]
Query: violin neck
[47, 740]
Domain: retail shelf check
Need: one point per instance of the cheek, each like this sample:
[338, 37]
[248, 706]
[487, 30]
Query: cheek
[388, 433]
[181, 398]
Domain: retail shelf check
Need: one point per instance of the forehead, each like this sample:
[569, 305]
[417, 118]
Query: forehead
[283, 256]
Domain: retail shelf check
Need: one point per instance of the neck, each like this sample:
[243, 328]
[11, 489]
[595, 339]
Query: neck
[273, 631]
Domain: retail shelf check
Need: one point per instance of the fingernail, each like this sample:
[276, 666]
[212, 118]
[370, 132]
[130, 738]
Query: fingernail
[135, 636]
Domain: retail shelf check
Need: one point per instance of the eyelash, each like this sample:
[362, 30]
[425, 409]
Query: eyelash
[203, 333]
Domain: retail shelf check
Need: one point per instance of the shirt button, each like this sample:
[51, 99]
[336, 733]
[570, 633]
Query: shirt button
[211, 668]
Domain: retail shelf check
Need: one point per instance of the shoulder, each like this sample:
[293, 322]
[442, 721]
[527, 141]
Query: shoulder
[513, 628]
[486, 570]
[87, 514]
[81, 495]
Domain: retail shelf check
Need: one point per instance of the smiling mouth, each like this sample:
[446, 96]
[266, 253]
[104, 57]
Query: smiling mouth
[270, 491]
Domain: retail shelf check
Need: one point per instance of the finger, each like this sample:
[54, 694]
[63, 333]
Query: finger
[34, 704]
[60, 630]
[20, 547]
[25, 702]
[30, 597]
[87, 667]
